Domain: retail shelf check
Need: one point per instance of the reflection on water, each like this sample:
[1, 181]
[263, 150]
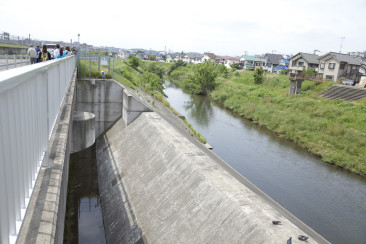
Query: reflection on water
[199, 108]
[328, 199]
[84, 222]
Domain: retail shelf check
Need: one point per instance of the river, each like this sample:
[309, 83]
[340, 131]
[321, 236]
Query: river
[330, 200]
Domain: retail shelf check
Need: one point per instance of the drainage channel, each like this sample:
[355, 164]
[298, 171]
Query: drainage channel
[84, 221]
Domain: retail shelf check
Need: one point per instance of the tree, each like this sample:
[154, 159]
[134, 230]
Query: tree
[176, 65]
[156, 69]
[222, 71]
[235, 66]
[151, 83]
[203, 78]
[258, 75]
[309, 72]
[134, 62]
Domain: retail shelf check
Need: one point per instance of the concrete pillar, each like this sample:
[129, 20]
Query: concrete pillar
[83, 130]
[132, 108]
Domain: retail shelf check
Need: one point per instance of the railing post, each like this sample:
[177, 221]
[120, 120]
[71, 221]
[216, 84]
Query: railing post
[113, 69]
[89, 66]
[109, 64]
[98, 63]
[7, 62]
[15, 61]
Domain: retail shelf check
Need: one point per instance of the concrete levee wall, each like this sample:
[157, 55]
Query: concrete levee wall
[103, 98]
[158, 187]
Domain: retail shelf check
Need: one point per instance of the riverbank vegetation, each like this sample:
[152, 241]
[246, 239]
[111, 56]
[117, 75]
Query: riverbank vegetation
[333, 130]
[134, 73]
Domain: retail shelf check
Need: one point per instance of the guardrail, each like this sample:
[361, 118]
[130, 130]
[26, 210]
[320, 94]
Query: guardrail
[293, 76]
[12, 61]
[30, 100]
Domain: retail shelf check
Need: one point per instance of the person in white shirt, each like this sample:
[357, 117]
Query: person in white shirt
[56, 51]
[32, 53]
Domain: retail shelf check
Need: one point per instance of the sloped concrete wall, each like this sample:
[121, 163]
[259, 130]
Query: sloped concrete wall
[158, 187]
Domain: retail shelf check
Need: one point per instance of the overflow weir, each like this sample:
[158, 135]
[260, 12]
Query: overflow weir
[157, 184]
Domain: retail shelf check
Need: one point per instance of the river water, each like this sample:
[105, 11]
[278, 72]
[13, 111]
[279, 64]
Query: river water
[330, 200]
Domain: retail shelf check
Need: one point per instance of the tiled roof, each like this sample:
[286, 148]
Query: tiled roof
[210, 55]
[281, 67]
[310, 58]
[343, 58]
[273, 58]
[229, 58]
[250, 58]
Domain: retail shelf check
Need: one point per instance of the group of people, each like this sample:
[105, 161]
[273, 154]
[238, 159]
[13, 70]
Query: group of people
[37, 55]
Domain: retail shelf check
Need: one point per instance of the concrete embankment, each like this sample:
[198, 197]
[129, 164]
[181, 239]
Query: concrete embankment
[157, 186]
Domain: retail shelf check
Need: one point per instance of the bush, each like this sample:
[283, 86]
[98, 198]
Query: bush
[134, 62]
[222, 71]
[309, 72]
[156, 69]
[176, 66]
[258, 75]
[151, 83]
[284, 72]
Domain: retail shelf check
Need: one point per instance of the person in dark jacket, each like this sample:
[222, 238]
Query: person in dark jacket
[44, 54]
[38, 50]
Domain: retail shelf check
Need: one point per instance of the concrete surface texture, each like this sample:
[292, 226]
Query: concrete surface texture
[83, 130]
[103, 98]
[132, 107]
[348, 93]
[156, 186]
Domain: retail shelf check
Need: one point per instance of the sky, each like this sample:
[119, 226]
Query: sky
[225, 27]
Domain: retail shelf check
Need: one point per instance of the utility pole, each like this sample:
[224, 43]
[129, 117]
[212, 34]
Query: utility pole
[273, 51]
[245, 53]
[342, 38]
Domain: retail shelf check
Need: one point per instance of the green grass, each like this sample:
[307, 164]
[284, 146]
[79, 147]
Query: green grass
[334, 130]
[2, 44]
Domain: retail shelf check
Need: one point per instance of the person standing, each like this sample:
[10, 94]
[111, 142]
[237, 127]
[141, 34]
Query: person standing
[61, 54]
[32, 54]
[56, 51]
[38, 50]
[44, 55]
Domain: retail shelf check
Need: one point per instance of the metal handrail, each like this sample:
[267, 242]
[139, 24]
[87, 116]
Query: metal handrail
[30, 100]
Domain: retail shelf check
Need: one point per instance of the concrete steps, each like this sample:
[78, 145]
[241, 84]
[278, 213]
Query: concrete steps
[347, 93]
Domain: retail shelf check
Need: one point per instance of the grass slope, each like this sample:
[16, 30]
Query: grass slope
[334, 130]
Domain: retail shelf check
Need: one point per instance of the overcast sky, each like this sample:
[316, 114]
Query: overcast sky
[225, 27]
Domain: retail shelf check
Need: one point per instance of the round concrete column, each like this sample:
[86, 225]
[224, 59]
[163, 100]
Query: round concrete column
[83, 130]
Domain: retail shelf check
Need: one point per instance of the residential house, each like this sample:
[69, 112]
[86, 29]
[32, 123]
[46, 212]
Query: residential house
[333, 66]
[272, 60]
[303, 61]
[208, 57]
[282, 66]
[250, 62]
[170, 57]
[227, 61]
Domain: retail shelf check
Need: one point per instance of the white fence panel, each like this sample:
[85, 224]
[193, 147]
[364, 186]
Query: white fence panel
[30, 101]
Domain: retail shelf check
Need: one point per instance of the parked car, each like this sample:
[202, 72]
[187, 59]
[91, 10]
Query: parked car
[349, 82]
